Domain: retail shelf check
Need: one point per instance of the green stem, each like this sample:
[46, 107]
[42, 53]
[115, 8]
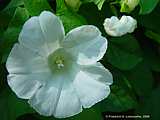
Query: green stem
[152, 35]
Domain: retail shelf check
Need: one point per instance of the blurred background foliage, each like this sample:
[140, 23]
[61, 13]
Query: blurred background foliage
[133, 59]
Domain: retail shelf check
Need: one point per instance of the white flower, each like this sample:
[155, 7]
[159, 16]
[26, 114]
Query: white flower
[58, 74]
[115, 27]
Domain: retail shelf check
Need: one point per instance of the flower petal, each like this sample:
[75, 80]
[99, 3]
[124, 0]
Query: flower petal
[22, 60]
[26, 71]
[42, 33]
[54, 98]
[32, 37]
[68, 97]
[132, 24]
[25, 86]
[108, 26]
[91, 85]
[52, 28]
[69, 103]
[45, 99]
[99, 73]
[86, 44]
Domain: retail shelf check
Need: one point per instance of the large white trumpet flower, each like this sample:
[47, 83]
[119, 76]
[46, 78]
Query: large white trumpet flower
[58, 74]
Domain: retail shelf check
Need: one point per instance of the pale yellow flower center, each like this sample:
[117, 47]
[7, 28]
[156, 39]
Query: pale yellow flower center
[59, 62]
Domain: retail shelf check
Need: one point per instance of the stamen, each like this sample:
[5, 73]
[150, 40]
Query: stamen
[59, 63]
[60, 66]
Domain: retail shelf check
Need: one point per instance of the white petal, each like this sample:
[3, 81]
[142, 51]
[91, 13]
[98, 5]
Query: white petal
[99, 73]
[113, 20]
[32, 37]
[57, 97]
[115, 27]
[124, 25]
[45, 99]
[108, 25]
[52, 28]
[132, 24]
[90, 87]
[25, 86]
[86, 43]
[41, 34]
[69, 103]
[27, 70]
[22, 60]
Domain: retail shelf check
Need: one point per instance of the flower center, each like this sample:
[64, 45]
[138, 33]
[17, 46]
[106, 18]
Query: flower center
[60, 61]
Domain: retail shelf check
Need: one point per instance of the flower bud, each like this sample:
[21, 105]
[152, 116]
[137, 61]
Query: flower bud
[128, 5]
[118, 27]
[73, 4]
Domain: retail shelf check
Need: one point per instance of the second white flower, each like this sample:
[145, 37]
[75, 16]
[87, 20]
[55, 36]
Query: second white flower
[118, 27]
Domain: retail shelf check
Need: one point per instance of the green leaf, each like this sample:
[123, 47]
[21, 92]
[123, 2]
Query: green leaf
[11, 107]
[88, 114]
[124, 52]
[1, 33]
[152, 35]
[11, 34]
[147, 6]
[151, 21]
[121, 97]
[118, 101]
[14, 4]
[99, 3]
[2, 76]
[153, 61]
[69, 18]
[35, 7]
[152, 58]
[141, 79]
[93, 113]
[7, 13]
[98, 17]
[151, 105]
[6, 16]
[20, 16]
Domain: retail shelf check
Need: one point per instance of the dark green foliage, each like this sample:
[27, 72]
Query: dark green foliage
[147, 6]
[11, 107]
[35, 7]
[126, 50]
